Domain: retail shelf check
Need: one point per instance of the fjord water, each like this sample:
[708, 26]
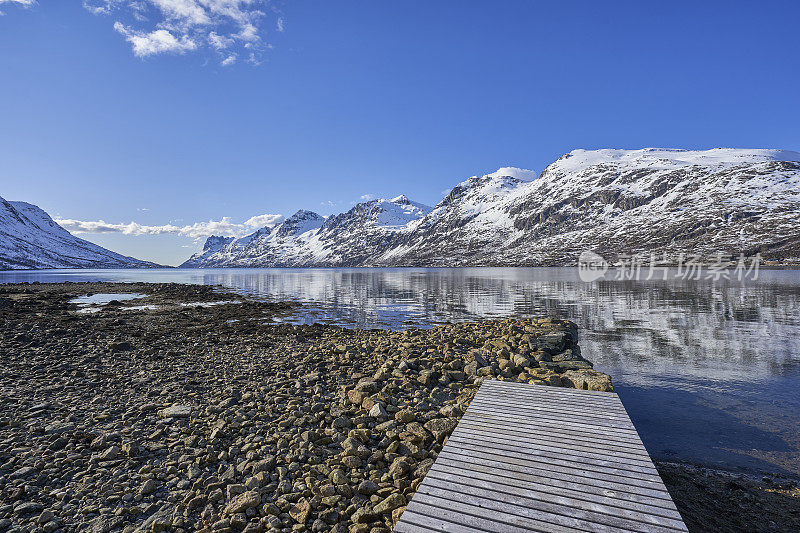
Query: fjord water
[708, 371]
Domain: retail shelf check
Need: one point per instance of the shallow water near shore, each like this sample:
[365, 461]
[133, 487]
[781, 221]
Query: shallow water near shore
[709, 372]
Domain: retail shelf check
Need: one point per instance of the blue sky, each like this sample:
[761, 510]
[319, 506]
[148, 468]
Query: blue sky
[117, 114]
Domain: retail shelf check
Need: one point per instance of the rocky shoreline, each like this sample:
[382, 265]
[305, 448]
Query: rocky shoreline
[191, 409]
[718, 501]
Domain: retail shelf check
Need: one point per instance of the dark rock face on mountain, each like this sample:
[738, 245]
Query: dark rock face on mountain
[29, 238]
[613, 202]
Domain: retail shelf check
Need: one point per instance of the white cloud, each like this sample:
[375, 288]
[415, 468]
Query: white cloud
[197, 230]
[367, 197]
[23, 3]
[143, 209]
[259, 221]
[224, 27]
[219, 41]
[230, 60]
[155, 42]
[248, 33]
[188, 12]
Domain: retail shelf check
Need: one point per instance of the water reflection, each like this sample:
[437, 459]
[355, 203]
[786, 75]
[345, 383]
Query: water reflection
[710, 372]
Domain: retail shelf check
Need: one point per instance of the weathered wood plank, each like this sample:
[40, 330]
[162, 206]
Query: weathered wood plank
[611, 402]
[571, 396]
[545, 428]
[487, 509]
[587, 419]
[655, 497]
[588, 412]
[566, 423]
[511, 448]
[524, 387]
[577, 470]
[589, 440]
[605, 506]
[411, 525]
[533, 504]
[562, 393]
[598, 492]
[587, 465]
[535, 458]
[514, 443]
[522, 429]
[426, 512]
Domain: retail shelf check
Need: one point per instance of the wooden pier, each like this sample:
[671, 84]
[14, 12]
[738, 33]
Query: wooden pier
[536, 458]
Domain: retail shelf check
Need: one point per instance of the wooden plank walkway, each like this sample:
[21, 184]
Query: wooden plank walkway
[536, 458]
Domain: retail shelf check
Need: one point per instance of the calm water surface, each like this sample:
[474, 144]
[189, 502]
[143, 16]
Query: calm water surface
[709, 372]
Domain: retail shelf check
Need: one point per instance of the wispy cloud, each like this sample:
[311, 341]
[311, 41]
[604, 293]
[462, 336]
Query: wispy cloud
[198, 230]
[23, 3]
[155, 42]
[228, 29]
[367, 197]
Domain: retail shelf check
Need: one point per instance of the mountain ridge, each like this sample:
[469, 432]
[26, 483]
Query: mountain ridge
[611, 201]
[31, 239]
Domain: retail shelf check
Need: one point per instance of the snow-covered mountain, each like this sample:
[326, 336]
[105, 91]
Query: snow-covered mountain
[29, 238]
[308, 239]
[614, 202]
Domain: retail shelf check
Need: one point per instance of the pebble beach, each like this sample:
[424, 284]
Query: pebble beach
[186, 408]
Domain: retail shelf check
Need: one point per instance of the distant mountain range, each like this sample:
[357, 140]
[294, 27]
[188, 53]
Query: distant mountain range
[29, 238]
[613, 202]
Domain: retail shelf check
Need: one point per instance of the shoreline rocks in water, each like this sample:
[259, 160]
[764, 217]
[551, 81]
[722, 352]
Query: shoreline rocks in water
[176, 417]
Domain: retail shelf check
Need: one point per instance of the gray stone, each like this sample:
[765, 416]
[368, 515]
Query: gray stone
[176, 411]
[378, 411]
[27, 508]
[104, 524]
[148, 487]
[23, 472]
[367, 487]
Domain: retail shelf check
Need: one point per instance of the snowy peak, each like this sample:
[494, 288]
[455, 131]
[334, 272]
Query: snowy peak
[614, 202]
[394, 214]
[399, 211]
[519, 174]
[299, 223]
[306, 238]
[478, 192]
[29, 238]
[578, 161]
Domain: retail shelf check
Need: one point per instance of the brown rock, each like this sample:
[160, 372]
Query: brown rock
[243, 502]
[300, 511]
